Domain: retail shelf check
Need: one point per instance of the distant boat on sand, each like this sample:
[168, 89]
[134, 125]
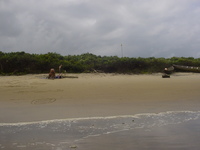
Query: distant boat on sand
[186, 68]
[179, 68]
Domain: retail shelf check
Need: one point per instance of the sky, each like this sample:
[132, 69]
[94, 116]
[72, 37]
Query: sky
[128, 28]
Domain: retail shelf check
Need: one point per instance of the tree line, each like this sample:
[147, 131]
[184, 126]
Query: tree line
[25, 63]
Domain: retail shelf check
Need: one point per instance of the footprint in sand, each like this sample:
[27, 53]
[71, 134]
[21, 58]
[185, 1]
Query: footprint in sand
[43, 101]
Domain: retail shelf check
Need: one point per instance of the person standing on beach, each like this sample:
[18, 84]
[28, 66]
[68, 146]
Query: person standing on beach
[60, 69]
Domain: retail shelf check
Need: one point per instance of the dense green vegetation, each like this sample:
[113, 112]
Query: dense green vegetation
[24, 63]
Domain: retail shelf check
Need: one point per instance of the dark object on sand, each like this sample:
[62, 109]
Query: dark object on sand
[167, 72]
[69, 77]
[165, 76]
[61, 77]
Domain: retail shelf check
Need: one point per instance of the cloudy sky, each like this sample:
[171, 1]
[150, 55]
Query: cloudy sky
[145, 28]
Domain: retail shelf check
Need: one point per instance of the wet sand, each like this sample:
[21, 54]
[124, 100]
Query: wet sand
[167, 130]
[170, 137]
[34, 98]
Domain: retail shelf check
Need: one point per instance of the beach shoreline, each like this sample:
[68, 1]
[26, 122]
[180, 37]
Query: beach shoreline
[32, 98]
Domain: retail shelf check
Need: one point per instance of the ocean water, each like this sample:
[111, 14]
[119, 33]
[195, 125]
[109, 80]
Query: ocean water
[166, 130]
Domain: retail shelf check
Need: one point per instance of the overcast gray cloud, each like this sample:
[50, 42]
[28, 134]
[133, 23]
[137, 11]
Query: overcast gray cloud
[145, 28]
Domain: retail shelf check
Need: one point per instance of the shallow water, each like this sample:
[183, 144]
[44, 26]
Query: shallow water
[167, 130]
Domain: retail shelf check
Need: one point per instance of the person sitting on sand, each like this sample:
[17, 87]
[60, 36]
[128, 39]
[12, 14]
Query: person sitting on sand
[52, 74]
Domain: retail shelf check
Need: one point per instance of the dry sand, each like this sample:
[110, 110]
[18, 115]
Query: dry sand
[33, 98]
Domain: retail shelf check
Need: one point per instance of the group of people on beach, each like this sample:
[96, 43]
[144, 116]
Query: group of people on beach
[52, 73]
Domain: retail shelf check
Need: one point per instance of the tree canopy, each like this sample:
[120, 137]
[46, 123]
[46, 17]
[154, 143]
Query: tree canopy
[25, 63]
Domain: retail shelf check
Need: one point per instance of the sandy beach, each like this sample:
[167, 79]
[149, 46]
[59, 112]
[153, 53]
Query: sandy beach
[33, 98]
[100, 111]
